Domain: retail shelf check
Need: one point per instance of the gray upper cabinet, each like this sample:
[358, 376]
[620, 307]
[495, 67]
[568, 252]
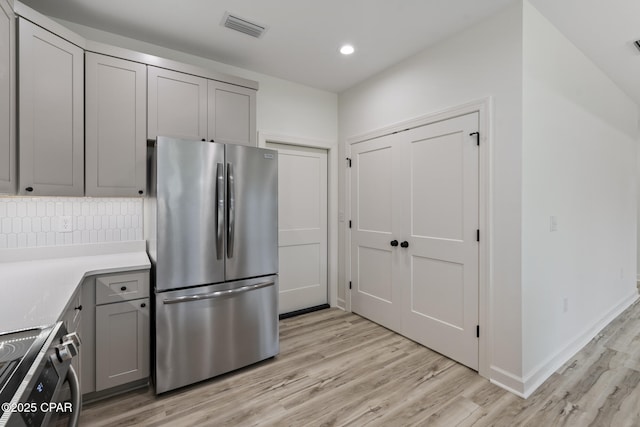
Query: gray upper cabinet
[51, 113]
[190, 107]
[177, 104]
[232, 114]
[116, 118]
[7, 100]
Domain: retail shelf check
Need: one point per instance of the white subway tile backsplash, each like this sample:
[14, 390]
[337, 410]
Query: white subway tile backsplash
[32, 222]
[26, 225]
[6, 225]
[22, 209]
[17, 225]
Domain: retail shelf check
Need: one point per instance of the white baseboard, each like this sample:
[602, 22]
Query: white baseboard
[543, 371]
[341, 304]
[525, 386]
[508, 381]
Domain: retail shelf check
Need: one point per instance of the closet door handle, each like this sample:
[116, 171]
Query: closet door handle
[394, 243]
[404, 244]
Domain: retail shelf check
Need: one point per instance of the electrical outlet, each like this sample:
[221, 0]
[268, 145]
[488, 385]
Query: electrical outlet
[65, 224]
[553, 223]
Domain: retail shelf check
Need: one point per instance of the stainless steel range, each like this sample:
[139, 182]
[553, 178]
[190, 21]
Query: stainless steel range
[34, 365]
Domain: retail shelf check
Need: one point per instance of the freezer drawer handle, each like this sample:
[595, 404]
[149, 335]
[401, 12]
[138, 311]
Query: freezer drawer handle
[219, 294]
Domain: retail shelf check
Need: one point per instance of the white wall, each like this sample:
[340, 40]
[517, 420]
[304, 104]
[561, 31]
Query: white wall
[580, 134]
[483, 61]
[284, 107]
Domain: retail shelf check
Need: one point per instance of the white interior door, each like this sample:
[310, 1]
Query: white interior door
[375, 230]
[302, 224]
[419, 187]
[441, 224]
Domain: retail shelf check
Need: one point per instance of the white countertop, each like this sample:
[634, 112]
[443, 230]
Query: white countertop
[37, 284]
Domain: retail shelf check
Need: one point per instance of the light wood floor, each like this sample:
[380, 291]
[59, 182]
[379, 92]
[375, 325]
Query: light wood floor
[338, 369]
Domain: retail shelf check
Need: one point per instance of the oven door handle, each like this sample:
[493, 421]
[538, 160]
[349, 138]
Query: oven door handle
[76, 399]
[218, 294]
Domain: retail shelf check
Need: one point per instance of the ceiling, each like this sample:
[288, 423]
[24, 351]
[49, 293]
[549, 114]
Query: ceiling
[303, 36]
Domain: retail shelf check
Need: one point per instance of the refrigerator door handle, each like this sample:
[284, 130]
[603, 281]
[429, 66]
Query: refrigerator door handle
[218, 294]
[220, 210]
[231, 195]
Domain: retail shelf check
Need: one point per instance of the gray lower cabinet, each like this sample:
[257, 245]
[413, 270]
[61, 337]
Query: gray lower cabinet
[51, 113]
[72, 319]
[122, 343]
[116, 322]
[7, 100]
[116, 126]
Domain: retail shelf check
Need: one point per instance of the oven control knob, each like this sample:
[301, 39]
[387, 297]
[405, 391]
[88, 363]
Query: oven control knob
[67, 350]
[73, 337]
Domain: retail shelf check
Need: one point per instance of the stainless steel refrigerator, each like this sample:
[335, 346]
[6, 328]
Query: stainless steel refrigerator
[211, 223]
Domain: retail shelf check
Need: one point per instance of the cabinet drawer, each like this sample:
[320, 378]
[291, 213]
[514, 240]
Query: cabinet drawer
[122, 287]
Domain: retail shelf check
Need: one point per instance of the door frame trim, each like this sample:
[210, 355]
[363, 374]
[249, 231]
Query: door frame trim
[332, 198]
[484, 108]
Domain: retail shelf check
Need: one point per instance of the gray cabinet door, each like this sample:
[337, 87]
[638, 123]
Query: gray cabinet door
[122, 343]
[116, 117]
[7, 100]
[177, 105]
[51, 113]
[232, 114]
[88, 347]
[72, 319]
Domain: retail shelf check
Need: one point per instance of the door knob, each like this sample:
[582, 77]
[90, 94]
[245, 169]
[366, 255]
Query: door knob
[394, 243]
[404, 244]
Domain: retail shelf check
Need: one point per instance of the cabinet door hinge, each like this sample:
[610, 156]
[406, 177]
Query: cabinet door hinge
[477, 235]
[349, 223]
[348, 162]
[477, 134]
[349, 285]
[477, 331]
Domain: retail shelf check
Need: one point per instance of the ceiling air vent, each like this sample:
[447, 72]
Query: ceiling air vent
[244, 26]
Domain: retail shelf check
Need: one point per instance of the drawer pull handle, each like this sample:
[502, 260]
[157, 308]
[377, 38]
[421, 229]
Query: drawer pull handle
[79, 308]
[143, 305]
[29, 189]
[123, 288]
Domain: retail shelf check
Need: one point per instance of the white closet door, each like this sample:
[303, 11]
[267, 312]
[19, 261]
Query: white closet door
[441, 223]
[419, 188]
[302, 223]
[376, 223]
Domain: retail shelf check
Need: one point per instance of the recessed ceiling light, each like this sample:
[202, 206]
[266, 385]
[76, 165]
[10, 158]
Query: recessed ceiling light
[347, 49]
